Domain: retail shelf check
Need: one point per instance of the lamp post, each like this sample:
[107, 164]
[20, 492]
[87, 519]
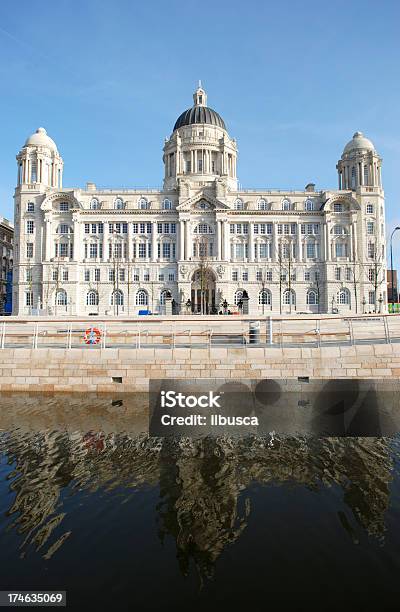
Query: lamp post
[364, 301]
[391, 264]
[380, 303]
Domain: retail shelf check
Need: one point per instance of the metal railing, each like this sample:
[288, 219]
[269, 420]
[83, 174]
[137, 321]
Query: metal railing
[190, 332]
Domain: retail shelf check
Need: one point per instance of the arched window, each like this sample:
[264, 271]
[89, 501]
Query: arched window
[262, 204]
[95, 204]
[289, 297]
[143, 204]
[238, 296]
[117, 298]
[264, 297]
[312, 298]
[309, 205]
[61, 298]
[142, 298]
[92, 298]
[285, 204]
[343, 296]
[167, 204]
[238, 205]
[163, 296]
[119, 204]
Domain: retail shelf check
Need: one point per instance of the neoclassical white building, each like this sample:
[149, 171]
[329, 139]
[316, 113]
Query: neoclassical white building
[108, 252]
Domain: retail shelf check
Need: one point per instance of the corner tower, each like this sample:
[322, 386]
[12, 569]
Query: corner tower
[360, 164]
[200, 149]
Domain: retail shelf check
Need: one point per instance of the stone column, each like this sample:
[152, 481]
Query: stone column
[227, 241]
[181, 253]
[328, 254]
[187, 241]
[218, 236]
[299, 252]
[48, 251]
[274, 242]
[251, 242]
[153, 241]
[106, 234]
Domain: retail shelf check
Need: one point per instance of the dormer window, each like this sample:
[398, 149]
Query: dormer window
[143, 204]
[167, 204]
[94, 204]
[200, 99]
[262, 204]
[239, 204]
[286, 204]
[118, 204]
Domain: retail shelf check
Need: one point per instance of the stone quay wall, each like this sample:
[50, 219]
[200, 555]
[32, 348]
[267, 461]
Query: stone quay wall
[129, 370]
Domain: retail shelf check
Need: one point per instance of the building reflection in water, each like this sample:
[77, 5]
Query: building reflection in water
[55, 443]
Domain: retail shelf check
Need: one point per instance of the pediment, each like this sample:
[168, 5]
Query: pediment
[202, 203]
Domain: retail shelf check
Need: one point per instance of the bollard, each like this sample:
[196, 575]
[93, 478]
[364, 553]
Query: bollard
[254, 332]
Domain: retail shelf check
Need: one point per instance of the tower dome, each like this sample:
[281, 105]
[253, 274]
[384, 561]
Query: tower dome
[359, 142]
[41, 139]
[200, 112]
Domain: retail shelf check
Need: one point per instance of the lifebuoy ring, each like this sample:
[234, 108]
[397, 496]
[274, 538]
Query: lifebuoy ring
[92, 335]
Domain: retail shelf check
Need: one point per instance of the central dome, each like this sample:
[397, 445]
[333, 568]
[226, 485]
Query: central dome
[199, 113]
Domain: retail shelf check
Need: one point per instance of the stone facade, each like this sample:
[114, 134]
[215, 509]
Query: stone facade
[201, 238]
[6, 246]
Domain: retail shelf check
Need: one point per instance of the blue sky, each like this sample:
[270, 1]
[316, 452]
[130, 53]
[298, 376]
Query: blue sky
[292, 80]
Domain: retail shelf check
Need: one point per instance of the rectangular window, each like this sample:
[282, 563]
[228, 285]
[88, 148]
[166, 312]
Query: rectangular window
[122, 274]
[29, 250]
[94, 228]
[64, 228]
[111, 227]
[200, 165]
[135, 227]
[255, 228]
[339, 249]
[166, 228]
[349, 275]
[293, 228]
[64, 206]
[142, 250]
[65, 275]
[371, 297]
[55, 275]
[263, 250]
[146, 276]
[28, 275]
[370, 209]
[245, 276]
[97, 275]
[149, 228]
[29, 298]
[370, 228]
[166, 250]
[142, 228]
[307, 276]
[63, 249]
[279, 228]
[30, 227]
[311, 250]
[337, 207]
[259, 275]
[235, 276]
[268, 275]
[171, 276]
[87, 276]
[161, 276]
[269, 228]
[124, 228]
[101, 228]
[232, 228]
[338, 274]
[30, 207]
[111, 275]
[317, 276]
[303, 228]
[93, 250]
[159, 228]
[173, 228]
[371, 275]
[87, 228]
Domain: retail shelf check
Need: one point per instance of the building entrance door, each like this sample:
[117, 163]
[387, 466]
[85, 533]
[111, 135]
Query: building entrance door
[203, 292]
